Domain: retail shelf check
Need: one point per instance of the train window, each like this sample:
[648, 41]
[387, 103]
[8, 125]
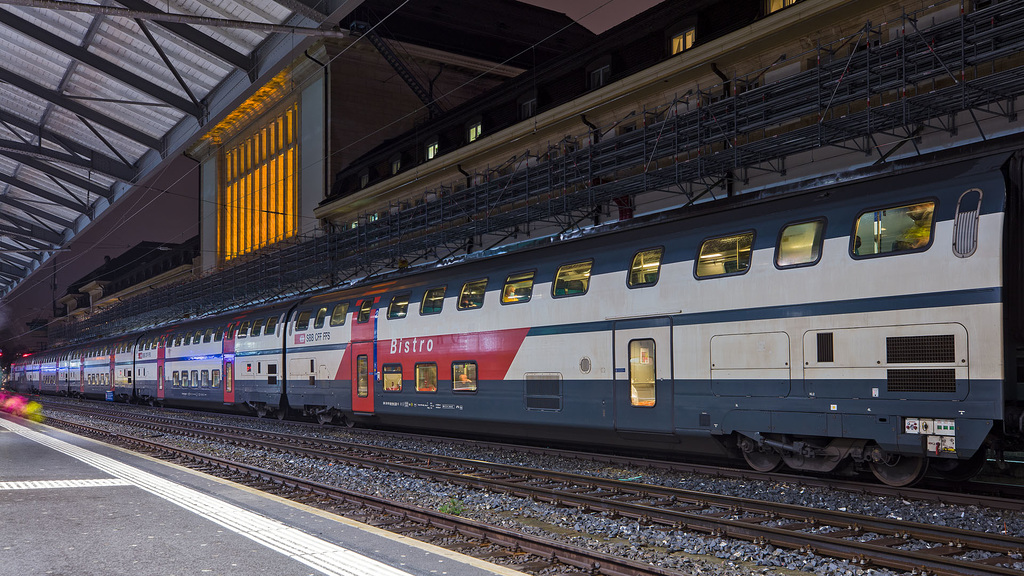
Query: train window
[195, 378]
[229, 379]
[302, 321]
[897, 229]
[641, 372]
[271, 326]
[208, 337]
[198, 337]
[572, 279]
[215, 378]
[433, 301]
[725, 255]
[243, 330]
[464, 376]
[321, 315]
[339, 314]
[472, 295]
[965, 223]
[364, 311]
[646, 268]
[518, 288]
[187, 339]
[205, 378]
[218, 334]
[392, 377]
[362, 376]
[800, 244]
[399, 307]
[426, 377]
[257, 328]
[177, 339]
[177, 378]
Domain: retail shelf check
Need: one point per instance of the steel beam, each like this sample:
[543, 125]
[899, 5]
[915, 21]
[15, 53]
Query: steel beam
[78, 108]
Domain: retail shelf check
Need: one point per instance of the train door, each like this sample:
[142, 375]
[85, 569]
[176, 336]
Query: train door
[364, 376]
[81, 375]
[643, 386]
[161, 355]
[229, 365]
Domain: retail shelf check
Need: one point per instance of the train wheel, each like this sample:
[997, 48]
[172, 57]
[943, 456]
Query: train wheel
[900, 470]
[325, 417]
[763, 461]
[960, 470]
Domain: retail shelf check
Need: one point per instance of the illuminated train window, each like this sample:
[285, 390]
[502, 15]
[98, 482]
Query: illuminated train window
[464, 376]
[433, 301]
[646, 268]
[271, 327]
[302, 322]
[518, 288]
[472, 295]
[897, 229]
[800, 244]
[257, 328]
[392, 377]
[321, 317]
[572, 279]
[364, 311]
[426, 377]
[243, 330]
[399, 307]
[642, 372]
[339, 314]
[725, 255]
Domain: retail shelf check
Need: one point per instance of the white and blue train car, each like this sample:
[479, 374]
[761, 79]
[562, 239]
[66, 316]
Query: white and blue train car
[876, 322]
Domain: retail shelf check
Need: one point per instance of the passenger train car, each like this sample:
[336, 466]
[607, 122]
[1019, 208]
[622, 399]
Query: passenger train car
[876, 322]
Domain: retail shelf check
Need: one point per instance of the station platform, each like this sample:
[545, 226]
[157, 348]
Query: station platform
[70, 505]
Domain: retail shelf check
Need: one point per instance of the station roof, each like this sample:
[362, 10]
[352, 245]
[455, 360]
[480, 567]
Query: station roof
[96, 97]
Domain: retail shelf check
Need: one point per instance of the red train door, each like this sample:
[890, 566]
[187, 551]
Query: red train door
[229, 365]
[161, 354]
[364, 356]
[363, 376]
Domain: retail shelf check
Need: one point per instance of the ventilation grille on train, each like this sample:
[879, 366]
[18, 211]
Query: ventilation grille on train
[825, 347]
[920, 349]
[926, 380]
[544, 391]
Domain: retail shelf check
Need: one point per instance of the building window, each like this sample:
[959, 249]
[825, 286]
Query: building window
[476, 129]
[258, 202]
[527, 108]
[776, 5]
[600, 76]
[683, 40]
[364, 179]
[396, 164]
[432, 149]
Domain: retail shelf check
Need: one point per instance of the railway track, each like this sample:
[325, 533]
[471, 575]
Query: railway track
[882, 542]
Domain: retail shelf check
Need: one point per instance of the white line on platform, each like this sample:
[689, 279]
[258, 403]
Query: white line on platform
[50, 484]
[314, 552]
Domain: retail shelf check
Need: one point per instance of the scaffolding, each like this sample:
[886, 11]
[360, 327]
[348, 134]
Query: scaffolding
[858, 90]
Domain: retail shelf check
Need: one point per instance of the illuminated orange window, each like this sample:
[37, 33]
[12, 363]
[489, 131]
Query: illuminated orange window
[258, 188]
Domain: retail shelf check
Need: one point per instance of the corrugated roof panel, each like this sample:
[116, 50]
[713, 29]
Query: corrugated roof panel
[87, 77]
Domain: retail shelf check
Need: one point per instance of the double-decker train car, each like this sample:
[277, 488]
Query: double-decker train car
[875, 322]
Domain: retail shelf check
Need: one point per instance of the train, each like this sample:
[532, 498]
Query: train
[866, 321]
